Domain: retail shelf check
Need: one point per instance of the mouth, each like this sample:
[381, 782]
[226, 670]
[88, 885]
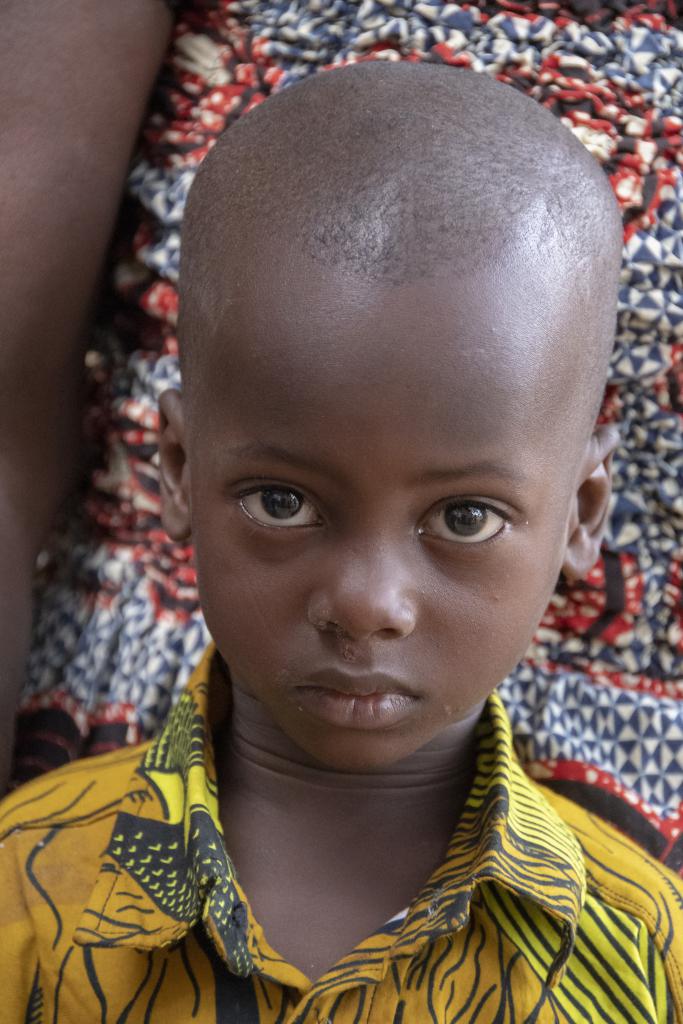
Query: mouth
[358, 684]
[372, 701]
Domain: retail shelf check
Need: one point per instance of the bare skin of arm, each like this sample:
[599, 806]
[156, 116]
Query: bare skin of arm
[75, 76]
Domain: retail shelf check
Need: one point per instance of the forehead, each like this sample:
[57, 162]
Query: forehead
[313, 351]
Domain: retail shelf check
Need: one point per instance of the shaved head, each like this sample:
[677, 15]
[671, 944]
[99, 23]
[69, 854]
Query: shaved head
[396, 173]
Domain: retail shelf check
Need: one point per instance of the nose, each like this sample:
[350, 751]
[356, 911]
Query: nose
[364, 595]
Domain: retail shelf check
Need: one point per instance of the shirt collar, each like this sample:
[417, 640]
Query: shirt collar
[508, 836]
[166, 867]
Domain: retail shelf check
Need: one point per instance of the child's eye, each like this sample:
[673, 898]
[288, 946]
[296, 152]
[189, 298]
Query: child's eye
[467, 522]
[279, 506]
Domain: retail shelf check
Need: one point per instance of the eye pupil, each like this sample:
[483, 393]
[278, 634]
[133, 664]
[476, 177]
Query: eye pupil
[465, 520]
[280, 504]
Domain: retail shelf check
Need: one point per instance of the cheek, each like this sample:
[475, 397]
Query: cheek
[489, 613]
[254, 608]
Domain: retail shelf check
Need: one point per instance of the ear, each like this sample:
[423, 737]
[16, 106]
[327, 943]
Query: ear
[591, 504]
[174, 470]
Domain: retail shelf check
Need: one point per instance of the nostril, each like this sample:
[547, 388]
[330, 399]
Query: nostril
[390, 633]
[399, 622]
[359, 615]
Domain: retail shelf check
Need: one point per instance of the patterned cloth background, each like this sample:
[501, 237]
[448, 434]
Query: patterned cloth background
[597, 706]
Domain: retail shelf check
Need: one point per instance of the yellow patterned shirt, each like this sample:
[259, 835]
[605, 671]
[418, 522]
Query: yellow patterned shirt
[119, 904]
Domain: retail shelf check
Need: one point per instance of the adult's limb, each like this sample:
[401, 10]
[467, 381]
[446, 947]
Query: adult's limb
[74, 80]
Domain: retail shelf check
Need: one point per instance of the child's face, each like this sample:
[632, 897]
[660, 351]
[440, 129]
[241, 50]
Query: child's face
[381, 496]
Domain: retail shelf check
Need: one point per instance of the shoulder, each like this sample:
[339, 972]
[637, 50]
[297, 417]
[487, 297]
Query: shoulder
[624, 877]
[52, 834]
[87, 790]
[616, 867]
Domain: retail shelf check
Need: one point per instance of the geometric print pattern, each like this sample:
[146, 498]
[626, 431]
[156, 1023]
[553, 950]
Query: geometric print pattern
[118, 628]
[637, 738]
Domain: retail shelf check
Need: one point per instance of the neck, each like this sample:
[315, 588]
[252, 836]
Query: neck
[253, 754]
[315, 845]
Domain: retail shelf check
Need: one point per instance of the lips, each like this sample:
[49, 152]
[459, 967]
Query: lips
[349, 701]
[357, 685]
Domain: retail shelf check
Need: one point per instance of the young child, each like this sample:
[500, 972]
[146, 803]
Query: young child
[397, 306]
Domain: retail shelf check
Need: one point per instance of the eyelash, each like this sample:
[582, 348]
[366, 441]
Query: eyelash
[461, 541]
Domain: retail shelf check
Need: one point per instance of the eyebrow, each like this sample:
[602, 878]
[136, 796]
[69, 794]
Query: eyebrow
[257, 450]
[484, 468]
